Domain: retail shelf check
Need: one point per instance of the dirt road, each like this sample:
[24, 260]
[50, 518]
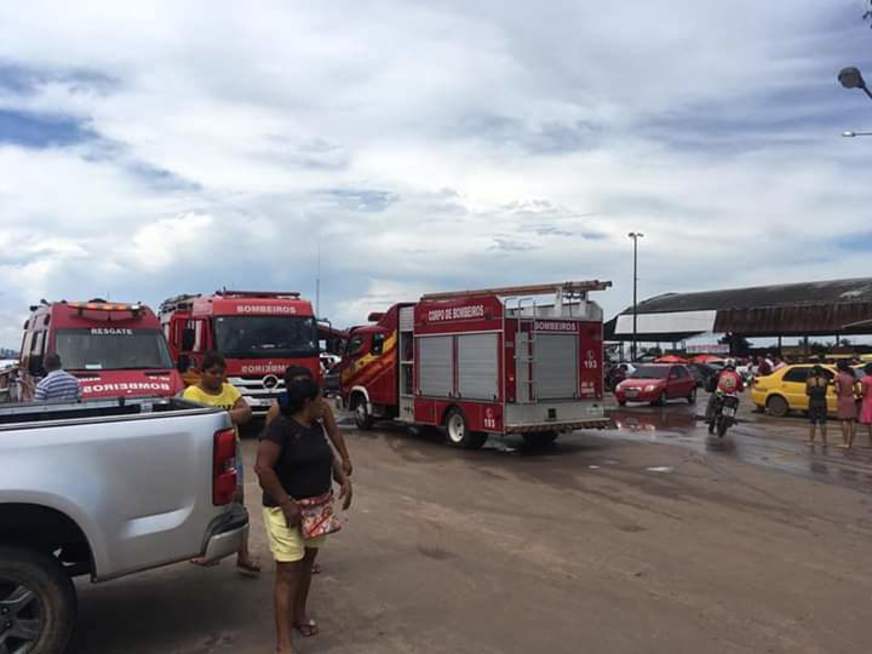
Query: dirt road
[641, 540]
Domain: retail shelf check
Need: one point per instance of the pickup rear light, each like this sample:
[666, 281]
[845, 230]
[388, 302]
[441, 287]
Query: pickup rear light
[224, 467]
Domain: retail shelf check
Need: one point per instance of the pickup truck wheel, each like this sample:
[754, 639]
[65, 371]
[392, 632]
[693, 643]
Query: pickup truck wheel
[37, 602]
[540, 438]
[458, 431]
[362, 416]
[777, 406]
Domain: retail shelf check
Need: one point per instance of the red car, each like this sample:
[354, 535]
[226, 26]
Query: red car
[657, 384]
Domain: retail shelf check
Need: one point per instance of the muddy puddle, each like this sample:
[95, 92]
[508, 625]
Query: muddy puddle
[780, 446]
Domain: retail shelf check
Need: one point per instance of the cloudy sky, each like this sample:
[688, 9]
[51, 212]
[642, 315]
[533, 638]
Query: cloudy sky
[146, 152]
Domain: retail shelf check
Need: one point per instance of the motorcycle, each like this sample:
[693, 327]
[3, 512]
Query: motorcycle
[724, 415]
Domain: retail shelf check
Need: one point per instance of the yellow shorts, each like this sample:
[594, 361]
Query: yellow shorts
[286, 544]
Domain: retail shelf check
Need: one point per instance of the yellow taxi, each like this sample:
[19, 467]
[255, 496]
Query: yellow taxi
[784, 391]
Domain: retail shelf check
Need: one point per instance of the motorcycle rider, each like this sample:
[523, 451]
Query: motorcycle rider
[726, 382]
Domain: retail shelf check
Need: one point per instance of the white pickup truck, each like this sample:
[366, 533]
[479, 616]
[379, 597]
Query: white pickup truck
[105, 488]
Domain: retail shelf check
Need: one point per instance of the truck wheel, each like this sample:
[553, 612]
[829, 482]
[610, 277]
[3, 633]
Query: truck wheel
[777, 406]
[540, 438]
[362, 416]
[37, 602]
[458, 432]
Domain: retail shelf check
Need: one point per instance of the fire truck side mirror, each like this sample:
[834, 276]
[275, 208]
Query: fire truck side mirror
[189, 338]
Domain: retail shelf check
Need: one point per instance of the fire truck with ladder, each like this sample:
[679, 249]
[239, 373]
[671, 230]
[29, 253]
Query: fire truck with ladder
[115, 349]
[260, 333]
[490, 361]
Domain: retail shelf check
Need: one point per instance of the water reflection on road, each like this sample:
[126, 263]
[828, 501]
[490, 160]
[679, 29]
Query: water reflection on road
[759, 440]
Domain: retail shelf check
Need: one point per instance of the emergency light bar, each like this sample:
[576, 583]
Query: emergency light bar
[535, 289]
[110, 307]
[265, 294]
[104, 306]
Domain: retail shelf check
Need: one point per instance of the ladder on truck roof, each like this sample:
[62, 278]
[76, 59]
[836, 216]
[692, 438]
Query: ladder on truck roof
[566, 289]
[179, 302]
[293, 295]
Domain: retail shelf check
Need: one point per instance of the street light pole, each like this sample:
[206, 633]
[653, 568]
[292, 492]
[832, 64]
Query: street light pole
[852, 78]
[635, 236]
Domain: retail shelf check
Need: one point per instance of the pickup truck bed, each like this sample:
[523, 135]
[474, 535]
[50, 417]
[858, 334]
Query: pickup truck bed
[106, 488]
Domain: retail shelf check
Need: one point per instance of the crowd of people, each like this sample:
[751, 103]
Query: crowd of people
[853, 401]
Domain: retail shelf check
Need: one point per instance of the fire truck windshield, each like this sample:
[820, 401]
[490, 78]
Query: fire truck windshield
[109, 348]
[266, 336]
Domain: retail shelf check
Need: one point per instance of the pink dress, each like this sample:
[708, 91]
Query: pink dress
[847, 405]
[866, 407]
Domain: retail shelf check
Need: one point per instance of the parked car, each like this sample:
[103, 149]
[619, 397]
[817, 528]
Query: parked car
[106, 488]
[657, 384]
[784, 390]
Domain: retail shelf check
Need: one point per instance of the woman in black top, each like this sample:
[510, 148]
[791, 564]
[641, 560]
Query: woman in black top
[296, 466]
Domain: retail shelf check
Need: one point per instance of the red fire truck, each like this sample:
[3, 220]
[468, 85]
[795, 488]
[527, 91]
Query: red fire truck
[491, 361]
[259, 333]
[115, 349]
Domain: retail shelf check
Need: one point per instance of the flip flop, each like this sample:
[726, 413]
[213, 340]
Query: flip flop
[308, 630]
[202, 563]
[250, 569]
[316, 569]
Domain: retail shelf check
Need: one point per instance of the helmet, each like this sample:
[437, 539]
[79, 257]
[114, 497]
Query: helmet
[730, 364]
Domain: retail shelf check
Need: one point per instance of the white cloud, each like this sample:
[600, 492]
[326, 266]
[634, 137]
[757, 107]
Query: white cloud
[428, 147]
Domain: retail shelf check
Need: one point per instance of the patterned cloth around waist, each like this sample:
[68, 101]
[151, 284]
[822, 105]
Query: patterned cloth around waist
[318, 518]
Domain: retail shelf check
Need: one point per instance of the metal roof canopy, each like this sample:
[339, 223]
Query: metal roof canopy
[809, 309]
[569, 288]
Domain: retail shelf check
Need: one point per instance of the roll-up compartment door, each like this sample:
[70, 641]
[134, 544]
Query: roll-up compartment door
[555, 366]
[478, 366]
[435, 366]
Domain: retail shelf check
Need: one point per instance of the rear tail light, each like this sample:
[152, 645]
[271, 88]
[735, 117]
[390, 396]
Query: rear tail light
[224, 467]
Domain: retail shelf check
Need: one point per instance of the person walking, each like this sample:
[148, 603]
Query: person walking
[327, 419]
[58, 385]
[866, 404]
[847, 403]
[816, 389]
[296, 468]
[212, 390]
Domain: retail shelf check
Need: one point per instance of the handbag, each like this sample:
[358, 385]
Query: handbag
[317, 517]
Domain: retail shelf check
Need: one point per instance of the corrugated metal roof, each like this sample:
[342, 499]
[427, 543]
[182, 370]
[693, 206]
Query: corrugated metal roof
[840, 291]
[830, 307]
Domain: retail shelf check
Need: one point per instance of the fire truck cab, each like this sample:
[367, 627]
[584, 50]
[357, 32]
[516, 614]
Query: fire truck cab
[114, 349]
[259, 333]
[491, 361]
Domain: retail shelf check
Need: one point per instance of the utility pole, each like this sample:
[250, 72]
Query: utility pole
[635, 236]
[318, 285]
